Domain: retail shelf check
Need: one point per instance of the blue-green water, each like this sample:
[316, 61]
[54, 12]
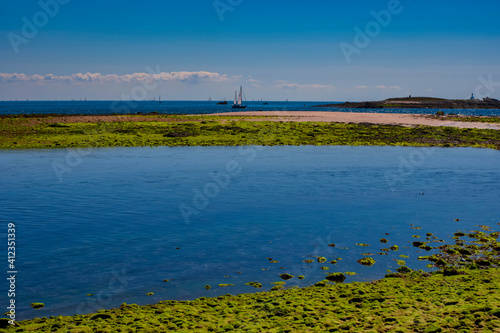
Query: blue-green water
[116, 222]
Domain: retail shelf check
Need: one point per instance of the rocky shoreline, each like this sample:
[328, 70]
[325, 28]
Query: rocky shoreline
[421, 103]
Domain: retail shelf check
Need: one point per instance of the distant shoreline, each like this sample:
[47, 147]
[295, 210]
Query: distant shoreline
[420, 103]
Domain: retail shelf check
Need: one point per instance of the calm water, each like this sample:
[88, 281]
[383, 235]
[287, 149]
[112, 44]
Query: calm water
[110, 224]
[191, 107]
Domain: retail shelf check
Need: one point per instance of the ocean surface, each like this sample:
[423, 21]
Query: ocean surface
[115, 223]
[192, 107]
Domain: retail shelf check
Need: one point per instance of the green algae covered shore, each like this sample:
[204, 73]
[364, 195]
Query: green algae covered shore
[461, 295]
[56, 131]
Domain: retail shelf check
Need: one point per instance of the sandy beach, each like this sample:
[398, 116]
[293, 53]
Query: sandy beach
[408, 120]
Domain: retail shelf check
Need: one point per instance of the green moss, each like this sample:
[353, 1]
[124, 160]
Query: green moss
[367, 261]
[37, 306]
[336, 277]
[197, 130]
[321, 259]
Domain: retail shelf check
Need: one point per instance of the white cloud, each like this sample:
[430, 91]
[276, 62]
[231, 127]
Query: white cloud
[361, 87]
[115, 78]
[389, 88]
[302, 86]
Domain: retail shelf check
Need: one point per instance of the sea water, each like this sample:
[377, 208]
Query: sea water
[193, 107]
[114, 223]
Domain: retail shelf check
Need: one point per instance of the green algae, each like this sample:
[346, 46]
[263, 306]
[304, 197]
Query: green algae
[336, 277]
[22, 131]
[461, 294]
[367, 261]
[410, 304]
[321, 259]
[286, 276]
[37, 306]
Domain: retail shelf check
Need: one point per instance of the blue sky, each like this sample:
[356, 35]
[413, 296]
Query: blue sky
[276, 49]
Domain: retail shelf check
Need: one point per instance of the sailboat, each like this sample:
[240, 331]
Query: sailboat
[238, 99]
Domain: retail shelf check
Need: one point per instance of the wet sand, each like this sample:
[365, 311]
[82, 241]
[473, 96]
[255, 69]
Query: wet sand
[408, 120]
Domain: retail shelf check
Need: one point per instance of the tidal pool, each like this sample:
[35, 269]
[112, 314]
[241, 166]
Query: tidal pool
[99, 227]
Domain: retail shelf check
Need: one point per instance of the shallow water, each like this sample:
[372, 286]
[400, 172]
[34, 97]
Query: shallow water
[109, 223]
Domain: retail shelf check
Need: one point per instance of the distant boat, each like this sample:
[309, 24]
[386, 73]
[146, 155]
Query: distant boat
[238, 100]
[210, 99]
[222, 103]
[159, 98]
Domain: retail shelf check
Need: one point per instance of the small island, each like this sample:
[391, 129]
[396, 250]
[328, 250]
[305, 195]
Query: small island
[422, 103]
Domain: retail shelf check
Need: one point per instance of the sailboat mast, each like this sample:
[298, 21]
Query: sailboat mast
[240, 97]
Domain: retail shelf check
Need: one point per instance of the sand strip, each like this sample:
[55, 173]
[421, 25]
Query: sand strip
[408, 120]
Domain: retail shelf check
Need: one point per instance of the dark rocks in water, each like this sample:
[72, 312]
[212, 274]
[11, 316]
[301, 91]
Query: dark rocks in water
[37, 306]
[367, 261]
[286, 276]
[404, 270]
[321, 259]
[331, 245]
[336, 277]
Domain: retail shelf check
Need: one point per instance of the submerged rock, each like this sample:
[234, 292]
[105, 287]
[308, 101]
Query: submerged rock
[366, 261]
[286, 276]
[254, 284]
[336, 277]
[37, 306]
